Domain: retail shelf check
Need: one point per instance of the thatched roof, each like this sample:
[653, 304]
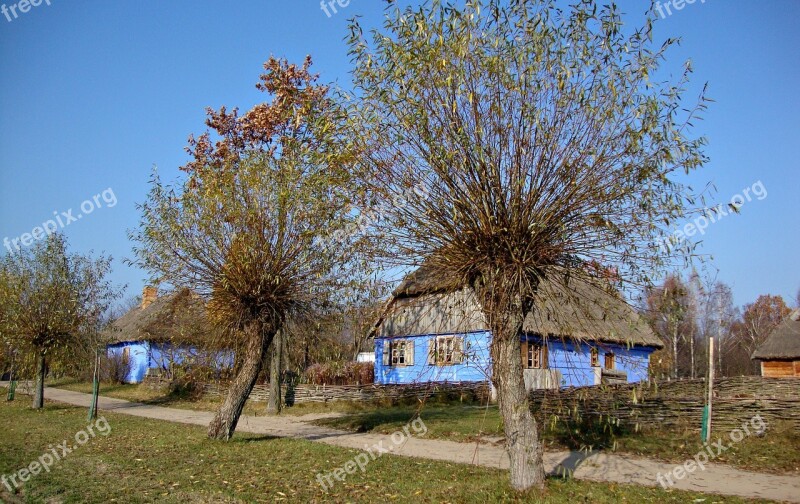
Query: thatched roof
[178, 317]
[784, 342]
[577, 309]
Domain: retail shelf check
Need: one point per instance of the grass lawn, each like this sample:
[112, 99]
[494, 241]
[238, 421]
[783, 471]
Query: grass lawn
[151, 461]
[777, 451]
[143, 394]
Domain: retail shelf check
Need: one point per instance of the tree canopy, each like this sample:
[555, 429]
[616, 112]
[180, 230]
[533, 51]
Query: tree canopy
[250, 225]
[547, 148]
[53, 303]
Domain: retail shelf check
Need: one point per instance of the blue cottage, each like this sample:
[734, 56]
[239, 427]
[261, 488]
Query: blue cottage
[163, 332]
[579, 333]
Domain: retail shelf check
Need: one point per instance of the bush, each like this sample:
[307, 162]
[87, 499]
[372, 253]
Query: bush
[115, 367]
[341, 373]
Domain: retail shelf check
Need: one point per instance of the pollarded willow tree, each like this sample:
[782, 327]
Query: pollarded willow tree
[53, 305]
[548, 152]
[249, 226]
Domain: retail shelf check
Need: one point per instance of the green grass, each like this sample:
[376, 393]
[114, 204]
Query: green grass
[147, 460]
[143, 394]
[453, 422]
[777, 451]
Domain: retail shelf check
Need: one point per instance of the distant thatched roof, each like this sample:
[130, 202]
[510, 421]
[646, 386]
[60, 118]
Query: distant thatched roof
[784, 342]
[575, 309]
[178, 317]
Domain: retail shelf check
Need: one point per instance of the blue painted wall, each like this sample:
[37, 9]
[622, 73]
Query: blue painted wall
[140, 358]
[475, 367]
[572, 359]
[162, 353]
[145, 355]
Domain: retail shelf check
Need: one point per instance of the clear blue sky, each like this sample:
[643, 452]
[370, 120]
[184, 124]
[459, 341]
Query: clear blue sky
[95, 93]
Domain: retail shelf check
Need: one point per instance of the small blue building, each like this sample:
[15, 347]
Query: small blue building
[578, 334]
[164, 332]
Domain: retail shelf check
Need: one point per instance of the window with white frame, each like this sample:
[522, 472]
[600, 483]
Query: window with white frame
[398, 353]
[446, 350]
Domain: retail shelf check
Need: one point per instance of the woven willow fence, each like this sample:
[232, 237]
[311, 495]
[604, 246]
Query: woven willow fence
[465, 391]
[674, 404]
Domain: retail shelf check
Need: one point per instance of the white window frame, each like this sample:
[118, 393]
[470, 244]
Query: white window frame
[448, 350]
[400, 352]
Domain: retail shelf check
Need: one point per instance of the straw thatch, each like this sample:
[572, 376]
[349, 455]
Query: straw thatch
[784, 342]
[178, 317]
[428, 301]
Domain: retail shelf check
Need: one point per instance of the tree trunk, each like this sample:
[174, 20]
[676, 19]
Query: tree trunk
[38, 394]
[675, 354]
[306, 354]
[505, 313]
[521, 431]
[275, 404]
[691, 356]
[258, 341]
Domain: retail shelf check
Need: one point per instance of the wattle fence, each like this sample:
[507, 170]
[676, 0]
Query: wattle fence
[642, 405]
[674, 404]
[305, 393]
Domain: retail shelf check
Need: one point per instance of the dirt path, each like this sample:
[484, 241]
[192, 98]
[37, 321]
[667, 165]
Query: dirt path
[715, 478]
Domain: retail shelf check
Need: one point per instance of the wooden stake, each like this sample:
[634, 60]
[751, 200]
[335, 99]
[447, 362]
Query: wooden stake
[710, 385]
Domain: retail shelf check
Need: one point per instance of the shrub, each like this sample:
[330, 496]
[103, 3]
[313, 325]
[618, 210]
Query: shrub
[116, 367]
[341, 373]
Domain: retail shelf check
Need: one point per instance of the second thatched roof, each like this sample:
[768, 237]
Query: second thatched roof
[179, 317]
[784, 342]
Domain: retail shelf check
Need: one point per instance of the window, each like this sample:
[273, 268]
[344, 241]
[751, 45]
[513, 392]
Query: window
[534, 356]
[595, 359]
[446, 350]
[398, 353]
[398, 350]
[609, 361]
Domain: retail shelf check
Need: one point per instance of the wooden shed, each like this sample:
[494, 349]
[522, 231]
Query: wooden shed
[780, 353]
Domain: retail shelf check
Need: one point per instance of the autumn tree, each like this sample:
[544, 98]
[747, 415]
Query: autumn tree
[758, 320]
[249, 226]
[716, 319]
[54, 302]
[670, 313]
[548, 152]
